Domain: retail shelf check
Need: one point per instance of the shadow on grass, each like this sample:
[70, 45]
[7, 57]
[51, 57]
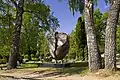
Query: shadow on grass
[79, 64]
[58, 73]
[79, 68]
[74, 70]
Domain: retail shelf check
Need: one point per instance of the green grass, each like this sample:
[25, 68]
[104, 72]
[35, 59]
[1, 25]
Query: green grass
[27, 65]
[74, 70]
[79, 64]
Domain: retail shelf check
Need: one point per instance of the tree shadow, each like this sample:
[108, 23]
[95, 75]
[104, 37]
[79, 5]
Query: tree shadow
[51, 74]
[60, 72]
[75, 70]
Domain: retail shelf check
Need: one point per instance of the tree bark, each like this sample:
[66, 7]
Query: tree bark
[110, 37]
[93, 51]
[12, 63]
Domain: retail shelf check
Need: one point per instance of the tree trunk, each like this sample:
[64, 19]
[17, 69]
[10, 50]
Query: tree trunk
[110, 37]
[12, 63]
[93, 51]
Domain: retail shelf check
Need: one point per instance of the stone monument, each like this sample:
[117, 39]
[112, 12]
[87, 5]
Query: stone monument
[58, 47]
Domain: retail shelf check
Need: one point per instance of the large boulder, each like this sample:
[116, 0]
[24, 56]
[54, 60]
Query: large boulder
[58, 45]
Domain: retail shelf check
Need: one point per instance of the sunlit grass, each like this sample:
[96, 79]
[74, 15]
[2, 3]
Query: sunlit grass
[74, 70]
[27, 65]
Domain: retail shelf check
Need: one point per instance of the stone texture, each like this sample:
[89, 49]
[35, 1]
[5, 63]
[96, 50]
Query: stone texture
[58, 45]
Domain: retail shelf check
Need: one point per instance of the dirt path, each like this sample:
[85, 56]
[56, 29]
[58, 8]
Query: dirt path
[52, 74]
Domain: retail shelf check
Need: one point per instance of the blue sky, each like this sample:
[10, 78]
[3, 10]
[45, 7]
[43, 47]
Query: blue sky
[66, 20]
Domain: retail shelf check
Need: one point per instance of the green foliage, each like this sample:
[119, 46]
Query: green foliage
[100, 20]
[37, 20]
[72, 51]
[80, 33]
[76, 6]
[118, 38]
[78, 39]
[6, 27]
[41, 12]
[77, 42]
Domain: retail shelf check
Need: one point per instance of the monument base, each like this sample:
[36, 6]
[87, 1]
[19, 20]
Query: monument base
[55, 65]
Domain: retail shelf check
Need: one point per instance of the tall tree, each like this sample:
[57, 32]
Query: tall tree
[81, 38]
[79, 34]
[94, 57]
[16, 34]
[93, 50]
[73, 46]
[110, 36]
[41, 17]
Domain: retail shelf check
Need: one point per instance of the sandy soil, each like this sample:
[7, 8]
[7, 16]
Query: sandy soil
[53, 74]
